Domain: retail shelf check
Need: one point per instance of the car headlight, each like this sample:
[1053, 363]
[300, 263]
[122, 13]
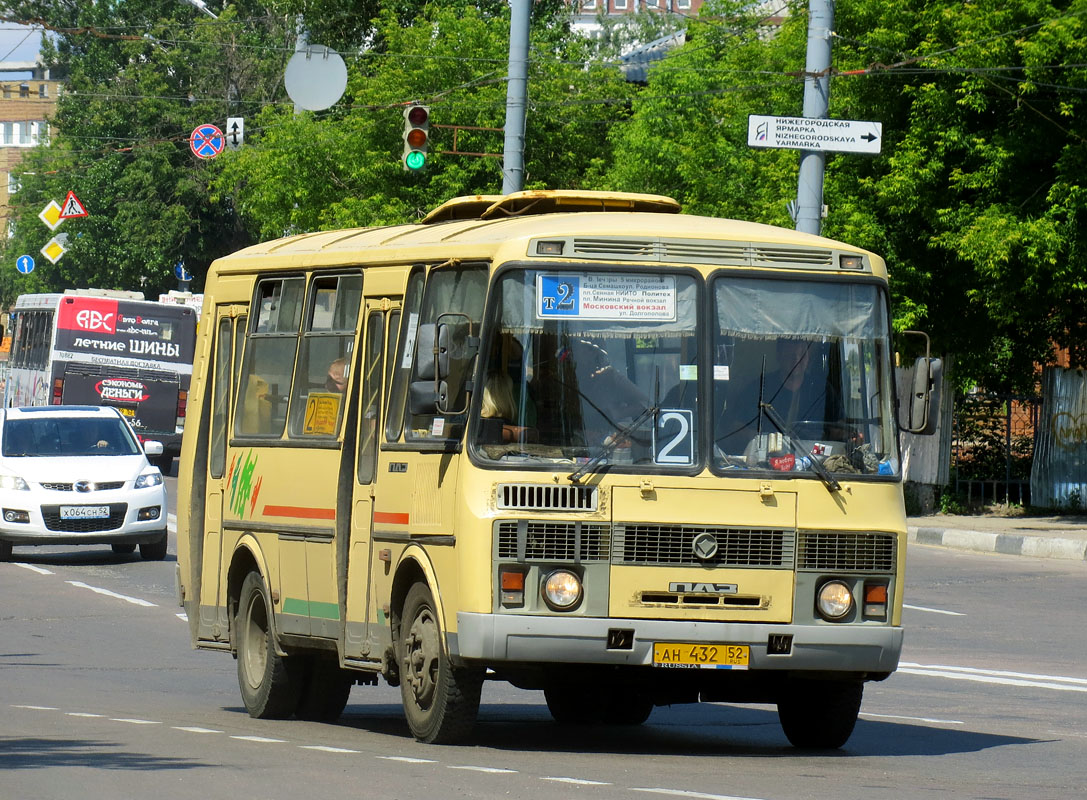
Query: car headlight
[562, 590]
[13, 482]
[835, 600]
[150, 479]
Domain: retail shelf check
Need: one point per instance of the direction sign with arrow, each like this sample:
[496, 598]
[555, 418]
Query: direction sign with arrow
[25, 264]
[804, 133]
[235, 132]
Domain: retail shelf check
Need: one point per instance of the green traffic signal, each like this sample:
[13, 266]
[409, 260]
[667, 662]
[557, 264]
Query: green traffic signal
[416, 159]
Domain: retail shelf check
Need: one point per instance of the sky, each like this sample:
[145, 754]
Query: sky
[18, 43]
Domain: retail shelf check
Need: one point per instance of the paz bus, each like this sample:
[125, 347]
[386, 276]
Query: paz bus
[545, 438]
[103, 347]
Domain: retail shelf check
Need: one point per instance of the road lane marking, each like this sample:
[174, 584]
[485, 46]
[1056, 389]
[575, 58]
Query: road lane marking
[326, 749]
[575, 781]
[38, 708]
[1000, 677]
[84, 714]
[193, 729]
[698, 795]
[934, 610]
[492, 770]
[913, 719]
[182, 616]
[261, 739]
[98, 590]
[32, 568]
[134, 721]
[409, 759]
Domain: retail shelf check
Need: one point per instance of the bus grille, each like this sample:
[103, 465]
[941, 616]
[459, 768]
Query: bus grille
[530, 540]
[546, 497]
[116, 518]
[674, 545]
[846, 551]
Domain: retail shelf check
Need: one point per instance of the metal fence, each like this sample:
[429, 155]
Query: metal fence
[993, 441]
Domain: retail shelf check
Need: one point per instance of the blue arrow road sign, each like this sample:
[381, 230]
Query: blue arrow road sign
[25, 264]
[182, 273]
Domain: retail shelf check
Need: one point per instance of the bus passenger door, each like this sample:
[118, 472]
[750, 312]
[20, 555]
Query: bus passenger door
[381, 317]
[229, 337]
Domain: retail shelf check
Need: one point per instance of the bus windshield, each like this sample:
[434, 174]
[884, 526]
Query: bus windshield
[593, 365]
[801, 374]
[604, 368]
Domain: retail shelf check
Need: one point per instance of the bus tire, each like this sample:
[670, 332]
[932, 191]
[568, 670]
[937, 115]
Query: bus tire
[441, 701]
[153, 551]
[325, 691]
[270, 684]
[820, 714]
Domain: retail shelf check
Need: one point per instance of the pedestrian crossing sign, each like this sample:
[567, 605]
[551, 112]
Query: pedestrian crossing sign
[72, 207]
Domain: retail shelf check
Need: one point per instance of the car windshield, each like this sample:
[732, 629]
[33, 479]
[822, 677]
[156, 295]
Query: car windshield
[801, 373]
[591, 367]
[67, 436]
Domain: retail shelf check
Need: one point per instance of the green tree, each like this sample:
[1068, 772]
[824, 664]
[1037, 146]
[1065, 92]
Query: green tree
[141, 76]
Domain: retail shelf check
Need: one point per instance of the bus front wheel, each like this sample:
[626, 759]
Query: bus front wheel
[441, 701]
[269, 683]
[820, 714]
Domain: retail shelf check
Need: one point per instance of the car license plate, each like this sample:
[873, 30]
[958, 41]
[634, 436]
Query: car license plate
[688, 655]
[84, 512]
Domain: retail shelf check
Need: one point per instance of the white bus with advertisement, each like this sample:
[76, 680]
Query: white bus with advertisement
[105, 348]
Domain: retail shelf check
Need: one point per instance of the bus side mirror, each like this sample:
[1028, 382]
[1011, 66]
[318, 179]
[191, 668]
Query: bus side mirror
[429, 391]
[926, 386]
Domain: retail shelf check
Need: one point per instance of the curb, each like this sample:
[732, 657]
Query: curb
[1011, 544]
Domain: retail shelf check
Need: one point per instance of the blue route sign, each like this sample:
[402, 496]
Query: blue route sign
[25, 264]
[182, 273]
[206, 141]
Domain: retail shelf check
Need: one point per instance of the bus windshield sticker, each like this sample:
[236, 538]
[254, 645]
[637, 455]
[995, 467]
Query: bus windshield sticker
[322, 414]
[673, 437]
[409, 341]
[607, 296]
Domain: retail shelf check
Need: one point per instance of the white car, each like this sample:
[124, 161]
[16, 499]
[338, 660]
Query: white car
[78, 475]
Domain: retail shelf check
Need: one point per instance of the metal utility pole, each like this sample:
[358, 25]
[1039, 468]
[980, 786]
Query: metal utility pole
[809, 190]
[513, 150]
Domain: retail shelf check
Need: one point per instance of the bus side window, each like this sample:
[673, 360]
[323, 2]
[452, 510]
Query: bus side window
[223, 348]
[405, 352]
[371, 396]
[327, 341]
[269, 358]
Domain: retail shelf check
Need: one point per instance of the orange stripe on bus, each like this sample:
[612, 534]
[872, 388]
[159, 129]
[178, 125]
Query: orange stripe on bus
[300, 512]
[391, 518]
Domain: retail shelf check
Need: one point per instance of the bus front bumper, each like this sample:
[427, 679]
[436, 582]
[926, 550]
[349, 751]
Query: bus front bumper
[494, 638]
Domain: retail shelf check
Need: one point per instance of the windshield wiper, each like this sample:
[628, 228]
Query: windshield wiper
[620, 434]
[613, 442]
[794, 442]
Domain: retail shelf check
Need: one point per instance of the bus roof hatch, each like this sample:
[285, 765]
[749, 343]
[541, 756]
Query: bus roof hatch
[548, 201]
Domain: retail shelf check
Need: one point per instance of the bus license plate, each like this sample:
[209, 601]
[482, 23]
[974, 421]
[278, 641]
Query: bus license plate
[128, 412]
[84, 512]
[687, 655]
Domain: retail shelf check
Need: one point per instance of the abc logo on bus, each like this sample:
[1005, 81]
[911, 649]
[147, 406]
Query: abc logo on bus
[90, 320]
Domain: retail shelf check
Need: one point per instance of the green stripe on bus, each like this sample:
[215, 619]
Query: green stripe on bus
[303, 608]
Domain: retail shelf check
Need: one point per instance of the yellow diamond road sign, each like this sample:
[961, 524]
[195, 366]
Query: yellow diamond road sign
[53, 250]
[50, 215]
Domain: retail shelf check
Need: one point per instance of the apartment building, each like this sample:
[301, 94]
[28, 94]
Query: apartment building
[26, 104]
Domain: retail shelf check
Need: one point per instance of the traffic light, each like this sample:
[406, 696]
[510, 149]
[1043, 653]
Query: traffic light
[416, 137]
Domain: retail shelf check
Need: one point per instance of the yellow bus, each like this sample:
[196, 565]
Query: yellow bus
[575, 441]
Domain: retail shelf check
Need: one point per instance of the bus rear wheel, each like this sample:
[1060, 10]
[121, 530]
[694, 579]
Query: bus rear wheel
[441, 701]
[820, 715]
[270, 684]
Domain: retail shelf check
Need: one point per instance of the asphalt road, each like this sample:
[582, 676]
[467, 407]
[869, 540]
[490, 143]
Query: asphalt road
[101, 697]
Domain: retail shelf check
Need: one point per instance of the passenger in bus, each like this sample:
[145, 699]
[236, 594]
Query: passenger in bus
[257, 411]
[337, 376]
[499, 412]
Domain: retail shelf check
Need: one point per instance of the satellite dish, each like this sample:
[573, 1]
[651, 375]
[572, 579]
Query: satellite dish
[315, 77]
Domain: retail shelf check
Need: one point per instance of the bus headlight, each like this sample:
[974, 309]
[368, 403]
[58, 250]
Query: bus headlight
[562, 590]
[834, 601]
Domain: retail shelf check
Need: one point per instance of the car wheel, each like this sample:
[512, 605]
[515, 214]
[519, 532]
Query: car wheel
[325, 691]
[153, 551]
[820, 714]
[441, 701]
[5, 550]
[124, 548]
[270, 684]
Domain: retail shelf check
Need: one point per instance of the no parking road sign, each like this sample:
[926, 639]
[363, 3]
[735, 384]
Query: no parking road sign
[206, 141]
